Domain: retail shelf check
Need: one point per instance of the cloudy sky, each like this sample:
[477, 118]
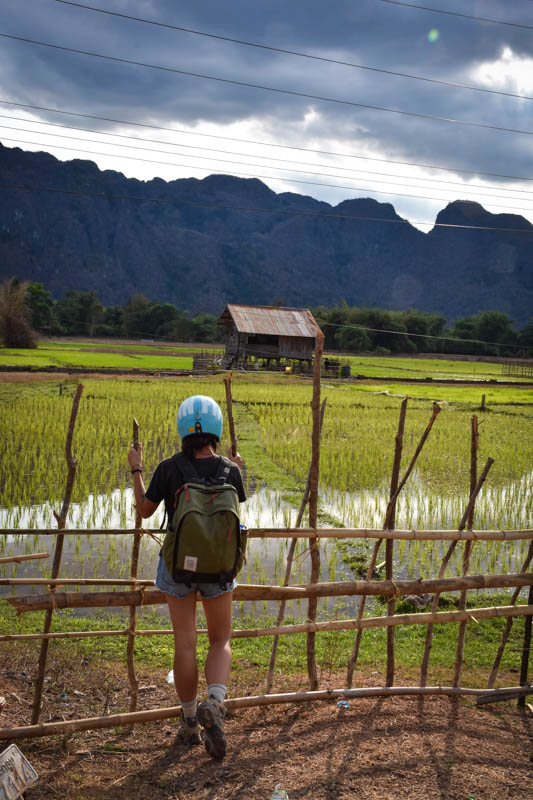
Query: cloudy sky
[315, 134]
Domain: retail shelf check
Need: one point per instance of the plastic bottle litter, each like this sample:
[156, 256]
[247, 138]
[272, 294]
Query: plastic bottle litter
[170, 677]
[279, 793]
[343, 704]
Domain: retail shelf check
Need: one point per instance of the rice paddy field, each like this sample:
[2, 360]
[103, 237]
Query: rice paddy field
[273, 421]
[104, 355]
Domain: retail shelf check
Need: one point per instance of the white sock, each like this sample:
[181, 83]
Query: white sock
[217, 691]
[189, 709]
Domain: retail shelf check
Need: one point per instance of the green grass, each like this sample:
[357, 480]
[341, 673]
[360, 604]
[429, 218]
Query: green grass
[333, 648]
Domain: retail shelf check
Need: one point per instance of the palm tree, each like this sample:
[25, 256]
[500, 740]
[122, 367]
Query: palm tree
[15, 329]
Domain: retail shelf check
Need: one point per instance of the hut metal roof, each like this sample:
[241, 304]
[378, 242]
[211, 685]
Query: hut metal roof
[280, 321]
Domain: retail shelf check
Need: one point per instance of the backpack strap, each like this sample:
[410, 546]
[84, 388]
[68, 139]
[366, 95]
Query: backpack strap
[223, 470]
[182, 463]
[189, 474]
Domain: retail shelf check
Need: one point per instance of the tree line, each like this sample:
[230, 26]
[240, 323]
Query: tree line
[353, 329]
[28, 310]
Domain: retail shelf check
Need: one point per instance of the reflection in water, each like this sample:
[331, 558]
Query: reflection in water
[109, 556]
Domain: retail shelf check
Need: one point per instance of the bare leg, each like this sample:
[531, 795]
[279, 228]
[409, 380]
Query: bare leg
[218, 612]
[183, 617]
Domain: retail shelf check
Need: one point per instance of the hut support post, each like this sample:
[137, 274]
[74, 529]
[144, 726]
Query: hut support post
[526, 652]
[474, 441]
[313, 507]
[288, 568]
[445, 561]
[58, 552]
[130, 647]
[509, 623]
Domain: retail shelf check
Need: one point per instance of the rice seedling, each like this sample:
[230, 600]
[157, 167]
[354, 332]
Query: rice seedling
[274, 425]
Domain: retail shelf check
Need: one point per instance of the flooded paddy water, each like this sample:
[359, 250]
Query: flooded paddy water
[274, 424]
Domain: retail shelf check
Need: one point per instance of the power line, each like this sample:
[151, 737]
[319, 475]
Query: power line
[457, 14]
[312, 56]
[420, 335]
[351, 103]
[247, 174]
[468, 186]
[264, 144]
[250, 175]
[287, 212]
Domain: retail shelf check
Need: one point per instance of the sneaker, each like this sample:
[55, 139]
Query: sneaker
[189, 731]
[211, 716]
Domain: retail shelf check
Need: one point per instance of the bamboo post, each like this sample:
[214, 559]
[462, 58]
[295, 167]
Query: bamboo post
[391, 506]
[474, 442]
[288, 567]
[313, 506]
[229, 411]
[444, 564]
[61, 519]
[526, 653]
[389, 545]
[130, 647]
[377, 545]
[509, 623]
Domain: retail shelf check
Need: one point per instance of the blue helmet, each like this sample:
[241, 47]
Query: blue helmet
[199, 414]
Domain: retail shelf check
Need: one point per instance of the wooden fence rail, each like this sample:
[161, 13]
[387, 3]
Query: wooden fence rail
[257, 592]
[113, 720]
[306, 533]
[419, 618]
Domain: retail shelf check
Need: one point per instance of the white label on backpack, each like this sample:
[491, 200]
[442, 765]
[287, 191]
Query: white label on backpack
[190, 563]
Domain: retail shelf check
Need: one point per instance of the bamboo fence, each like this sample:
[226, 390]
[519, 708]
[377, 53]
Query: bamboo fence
[133, 592]
[53, 600]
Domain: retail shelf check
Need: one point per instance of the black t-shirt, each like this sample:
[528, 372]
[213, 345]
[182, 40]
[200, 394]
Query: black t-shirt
[168, 478]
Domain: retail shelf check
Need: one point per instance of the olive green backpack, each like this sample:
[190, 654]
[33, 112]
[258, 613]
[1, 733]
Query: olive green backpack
[205, 542]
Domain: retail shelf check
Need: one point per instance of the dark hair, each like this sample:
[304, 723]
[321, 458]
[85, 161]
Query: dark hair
[197, 441]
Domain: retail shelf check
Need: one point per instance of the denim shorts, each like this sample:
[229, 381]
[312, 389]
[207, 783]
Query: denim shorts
[165, 582]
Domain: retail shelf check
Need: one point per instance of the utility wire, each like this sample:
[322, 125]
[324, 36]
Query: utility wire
[155, 338]
[457, 14]
[351, 103]
[288, 212]
[265, 144]
[293, 52]
[250, 175]
[250, 164]
[468, 186]
[420, 335]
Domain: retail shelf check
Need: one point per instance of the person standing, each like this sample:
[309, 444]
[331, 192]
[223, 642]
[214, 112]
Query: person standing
[199, 423]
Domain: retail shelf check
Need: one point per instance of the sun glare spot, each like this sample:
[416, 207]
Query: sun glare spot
[433, 35]
[509, 70]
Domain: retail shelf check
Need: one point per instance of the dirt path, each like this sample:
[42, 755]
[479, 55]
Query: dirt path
[379, 749]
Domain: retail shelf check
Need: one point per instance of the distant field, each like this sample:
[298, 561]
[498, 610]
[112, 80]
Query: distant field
[119, 346]
[152, 356]
[461, 395]
[390, 366]
[66, 357]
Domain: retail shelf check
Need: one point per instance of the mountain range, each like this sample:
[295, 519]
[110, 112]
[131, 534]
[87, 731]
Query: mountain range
[203, 243]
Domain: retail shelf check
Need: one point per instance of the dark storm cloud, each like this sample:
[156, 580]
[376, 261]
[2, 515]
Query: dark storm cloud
[367, 32]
